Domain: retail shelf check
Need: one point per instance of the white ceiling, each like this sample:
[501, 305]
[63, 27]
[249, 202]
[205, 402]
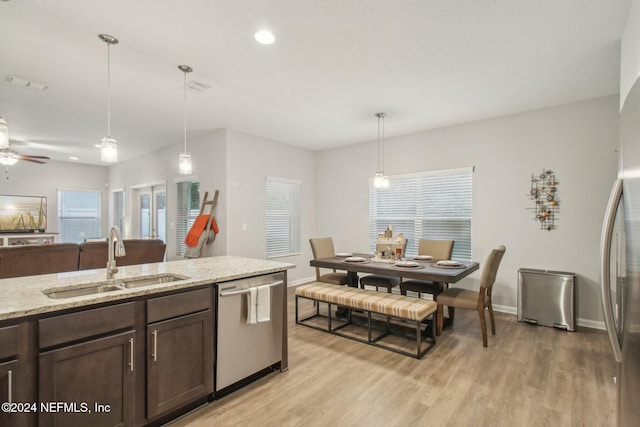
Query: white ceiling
[335, 63]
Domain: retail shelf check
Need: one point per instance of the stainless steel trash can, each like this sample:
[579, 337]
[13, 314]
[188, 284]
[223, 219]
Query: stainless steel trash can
[547, 298]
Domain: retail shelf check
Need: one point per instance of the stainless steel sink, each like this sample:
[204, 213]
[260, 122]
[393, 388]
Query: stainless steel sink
[111, 285]
[81, 291]
[137, 282]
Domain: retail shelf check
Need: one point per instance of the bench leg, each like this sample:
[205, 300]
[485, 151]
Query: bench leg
[418, 338]
[375, 341]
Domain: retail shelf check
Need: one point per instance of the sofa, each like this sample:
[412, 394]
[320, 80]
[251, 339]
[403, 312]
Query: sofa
[29, 260]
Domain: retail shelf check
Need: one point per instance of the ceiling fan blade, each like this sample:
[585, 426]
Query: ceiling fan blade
[32, 160]
[25, 156]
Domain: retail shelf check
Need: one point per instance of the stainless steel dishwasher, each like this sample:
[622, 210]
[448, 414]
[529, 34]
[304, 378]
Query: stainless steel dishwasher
[244, 349]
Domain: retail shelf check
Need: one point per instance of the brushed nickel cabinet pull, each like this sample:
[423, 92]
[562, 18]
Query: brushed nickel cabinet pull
[10, 387]
[155, 345]
[132, 353]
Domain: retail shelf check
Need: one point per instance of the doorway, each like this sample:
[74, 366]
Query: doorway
[150, 212]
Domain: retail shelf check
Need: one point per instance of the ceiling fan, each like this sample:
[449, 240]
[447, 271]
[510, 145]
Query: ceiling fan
[10, 157]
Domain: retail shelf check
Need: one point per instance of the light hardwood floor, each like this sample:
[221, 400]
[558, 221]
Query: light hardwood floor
[528, 376]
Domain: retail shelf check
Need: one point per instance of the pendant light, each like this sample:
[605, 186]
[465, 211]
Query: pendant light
[185, 156]
[4, 134]
[109, 146]
[7, 158]
[380, 180]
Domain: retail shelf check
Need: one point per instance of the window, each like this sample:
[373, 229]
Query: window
[188, 211]
[430, 205]
[283, 217]
[118, 210]
[78, 215]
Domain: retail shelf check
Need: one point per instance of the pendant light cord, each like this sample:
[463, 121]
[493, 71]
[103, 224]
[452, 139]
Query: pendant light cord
[382, 146]
[380, 143]
[185, 111]
[379, 146]
[108, 90]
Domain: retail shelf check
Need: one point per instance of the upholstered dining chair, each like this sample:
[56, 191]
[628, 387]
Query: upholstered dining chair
[474, 300]
[439, 250]
[380, 281]
[323, 248]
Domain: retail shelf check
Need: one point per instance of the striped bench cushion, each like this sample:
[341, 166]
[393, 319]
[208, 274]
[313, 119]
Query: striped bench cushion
[394, 305]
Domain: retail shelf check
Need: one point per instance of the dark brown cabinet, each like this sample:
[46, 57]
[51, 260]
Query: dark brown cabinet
[15, 382]
[86, 372]
[133, 363]
[179, 362]
[8, 381]
[89, 384]
[179, 350]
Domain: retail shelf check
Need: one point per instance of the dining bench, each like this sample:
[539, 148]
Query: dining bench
[365, 303]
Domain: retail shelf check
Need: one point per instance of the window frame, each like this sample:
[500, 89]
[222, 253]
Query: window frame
[288, 243]
[185, 217]
[62, 217]
[119, 210]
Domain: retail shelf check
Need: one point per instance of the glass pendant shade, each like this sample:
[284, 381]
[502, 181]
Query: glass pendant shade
[380, 181]
[7, 159]
[109, 150]
[4, 134]
[185, 163]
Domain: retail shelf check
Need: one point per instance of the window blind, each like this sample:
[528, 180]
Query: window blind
[78, 215]
[282, 217]
[188, 211]
[118, 210]
[429, 205]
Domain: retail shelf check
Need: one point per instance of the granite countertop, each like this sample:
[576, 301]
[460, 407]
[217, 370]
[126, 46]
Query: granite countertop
[23, 296]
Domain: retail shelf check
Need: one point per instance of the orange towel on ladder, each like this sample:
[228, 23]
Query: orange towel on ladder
[196, 230]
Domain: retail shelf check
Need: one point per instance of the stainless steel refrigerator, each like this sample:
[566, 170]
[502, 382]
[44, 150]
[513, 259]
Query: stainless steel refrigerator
[620, 271]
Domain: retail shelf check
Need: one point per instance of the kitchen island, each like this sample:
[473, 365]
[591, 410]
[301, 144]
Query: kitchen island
[146, 348]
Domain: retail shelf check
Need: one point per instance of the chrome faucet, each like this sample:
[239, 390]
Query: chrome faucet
[114, 236]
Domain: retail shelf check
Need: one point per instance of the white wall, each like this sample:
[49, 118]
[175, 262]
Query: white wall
[30, 179]
[576, 141]
[250, 159]
[630, 52]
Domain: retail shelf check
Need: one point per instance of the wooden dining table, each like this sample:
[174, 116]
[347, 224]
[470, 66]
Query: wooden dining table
[427, 270]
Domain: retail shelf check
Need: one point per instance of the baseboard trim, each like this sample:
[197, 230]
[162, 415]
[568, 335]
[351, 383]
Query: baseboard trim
[302, 281]
[585, 323]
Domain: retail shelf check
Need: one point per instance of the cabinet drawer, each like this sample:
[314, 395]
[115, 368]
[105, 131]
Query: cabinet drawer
[163, 308]
[8, 341]
[76, 326]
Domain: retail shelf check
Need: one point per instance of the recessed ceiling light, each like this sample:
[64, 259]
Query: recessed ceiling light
[265, 37]
[74, 158]
[97, 145]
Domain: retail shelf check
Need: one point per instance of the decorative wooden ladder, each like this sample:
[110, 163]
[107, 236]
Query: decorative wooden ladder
[212, 204]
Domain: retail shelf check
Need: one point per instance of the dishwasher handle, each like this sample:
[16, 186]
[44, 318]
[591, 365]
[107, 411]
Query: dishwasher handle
[246, 290]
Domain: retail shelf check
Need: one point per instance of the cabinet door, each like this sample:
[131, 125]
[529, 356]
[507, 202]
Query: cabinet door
[179, 362]
[8, 381]
[89, 384]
